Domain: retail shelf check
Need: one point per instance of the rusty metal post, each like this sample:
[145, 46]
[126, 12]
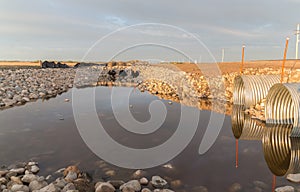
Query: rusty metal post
[284, 59]
[243, 58]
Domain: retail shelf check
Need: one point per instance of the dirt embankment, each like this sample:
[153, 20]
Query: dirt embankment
[229, 67]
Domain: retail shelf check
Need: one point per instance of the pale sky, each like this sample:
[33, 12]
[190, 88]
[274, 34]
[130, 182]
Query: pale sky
[67, 29]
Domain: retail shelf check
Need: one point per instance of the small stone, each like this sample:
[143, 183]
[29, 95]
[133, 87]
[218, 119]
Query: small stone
[60, 170]
[36, 185]
[170, 103]
[50, 188]
[3, 173]
[71, 168]
[3, 180]
[68, 187]
[71, 176]
[144, 181]
[110, 173]
[2, 187]
[146, 190]
[18, 170]
[29, 177]
[16, 180]
[34, 169]
[10, 174]
[116, 183]
[48, 177]
[67, 100]
[104, 187]
[18, 187]
[133, 184]
[294, 177]
[158, 182]
[138, 174]
[26, 99]
[285, 189]
[32, 163]
[61, 183]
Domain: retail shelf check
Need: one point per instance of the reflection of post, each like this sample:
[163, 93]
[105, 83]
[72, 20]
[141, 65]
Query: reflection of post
[274, 183]
[236, 153]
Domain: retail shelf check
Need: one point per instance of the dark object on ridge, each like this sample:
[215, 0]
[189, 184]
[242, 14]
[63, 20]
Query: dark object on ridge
[89, 65]
[52, 64]
[122, 73]
[135, 74]
[112, 75]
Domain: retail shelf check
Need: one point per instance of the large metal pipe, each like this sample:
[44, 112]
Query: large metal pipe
[283, 106]
[250, 89]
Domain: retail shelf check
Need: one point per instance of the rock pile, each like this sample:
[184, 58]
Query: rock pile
[23, 85]
[23, 177]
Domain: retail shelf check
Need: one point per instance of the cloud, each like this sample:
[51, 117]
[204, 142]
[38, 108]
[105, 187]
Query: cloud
[79, 23]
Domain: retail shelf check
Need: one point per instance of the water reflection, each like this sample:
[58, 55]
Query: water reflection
[244, 127]
[281, 152]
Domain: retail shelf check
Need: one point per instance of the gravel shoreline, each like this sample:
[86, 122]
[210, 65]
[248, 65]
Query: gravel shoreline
[24, 177]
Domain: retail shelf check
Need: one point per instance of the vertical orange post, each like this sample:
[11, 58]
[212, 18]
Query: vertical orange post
[284, 59]
[243, 58]
[236, 153]
[274, 183]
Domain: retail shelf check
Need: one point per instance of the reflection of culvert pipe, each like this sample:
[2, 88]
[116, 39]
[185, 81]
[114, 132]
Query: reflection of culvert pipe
[277, 148]
[243, 126]
[250, 89]
[280, 150]
[283, 104]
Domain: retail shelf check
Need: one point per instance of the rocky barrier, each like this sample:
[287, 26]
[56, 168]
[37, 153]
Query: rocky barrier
[18, 86]
[24, 177]
[23, 85]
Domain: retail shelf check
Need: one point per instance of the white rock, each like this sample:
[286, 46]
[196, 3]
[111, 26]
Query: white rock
[133, 184]
[285, 189]
[18, 170]
[34, 169]
[294, 177]
[18, 187]
[36, 185]
[104, 187]
[29, 177]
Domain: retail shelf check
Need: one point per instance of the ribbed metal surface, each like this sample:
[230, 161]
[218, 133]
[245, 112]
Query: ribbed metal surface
[244, 127]
[277, 148]
[250, 89]
[295, 155]
[237, 120]
[282, 106]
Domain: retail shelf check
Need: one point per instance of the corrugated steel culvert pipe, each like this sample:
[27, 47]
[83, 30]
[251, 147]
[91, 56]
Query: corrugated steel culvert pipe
[283, 106]
[243, 126]
[250, 89]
